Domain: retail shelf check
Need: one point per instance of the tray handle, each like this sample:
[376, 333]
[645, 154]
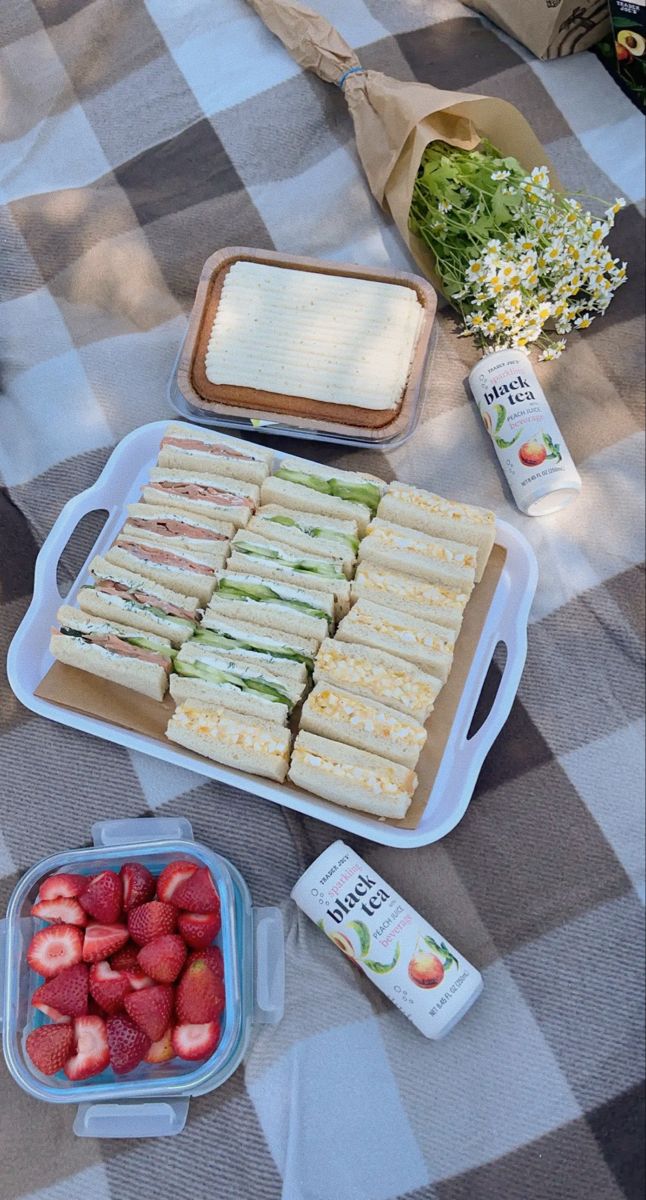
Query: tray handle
[92, 500]
[269, 981]
[131, 1119]
[132, 830]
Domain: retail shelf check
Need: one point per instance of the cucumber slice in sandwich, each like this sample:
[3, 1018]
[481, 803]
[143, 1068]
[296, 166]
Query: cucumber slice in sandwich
[359, 493]
[225, 641]
[315, 531]
[262, 593]
[307, 566]
[200, 670]
[144, 643]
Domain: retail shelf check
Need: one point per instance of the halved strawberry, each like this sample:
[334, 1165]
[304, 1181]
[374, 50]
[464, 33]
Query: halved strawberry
[200, 995]
[151, 1010]
[53, 949]
[50, 1047]
[152, 920]
[125, 958]
[62, 910]
[138, 979]
[109, 988]
[171, 877]
[54, 1015]
[138, 884]
[128, 1044]
[90, 1055]
[163, 958]
[195, 1041]
[103, 898]
[212, 955]
[101, 941]
[197, 893]
[161, 1050]
[66, 992]
[198, 929]
[63, 885]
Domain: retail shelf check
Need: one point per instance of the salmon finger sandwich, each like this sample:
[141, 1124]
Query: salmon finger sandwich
[186, 447]
[248, 743]
[120, 595]
[213, 496]
[170, 527]
[416, 508]
[350, 777]
[124, 655]
[179, 569]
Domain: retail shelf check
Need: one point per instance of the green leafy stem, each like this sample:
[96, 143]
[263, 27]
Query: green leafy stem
[553, 448]
[442, 951]
[363, 933]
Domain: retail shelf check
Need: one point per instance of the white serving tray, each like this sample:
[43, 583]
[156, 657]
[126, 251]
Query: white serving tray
[118, 485]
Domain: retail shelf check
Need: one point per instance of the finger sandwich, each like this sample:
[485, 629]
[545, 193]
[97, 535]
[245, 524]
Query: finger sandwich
[450, 564]
[377, 675]
[120, 595]
[286, 653]
[178, 569]
[409, 594]
[186, 448]
[312, 488]
[428, 646]
[235, 740]
[327, 537]
[214, 496]
[171, 527]
[404, 504]
[342, 716]
[119, 653]
[204, 673]
[350, 777]
[273, 560]
[277, 605]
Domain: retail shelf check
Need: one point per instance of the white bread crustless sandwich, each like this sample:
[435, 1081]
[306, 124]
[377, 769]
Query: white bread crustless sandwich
[200, 492]
[311, 488]
[274, 560]
[428, 646]
[120, 595]
[307, 533]
[350, 777]
[404, 504]
[248, 743]
[377, 675]
[407, 593]
[276, 605]
[187, 448]
[450, 564]
[286, 653]
[205, 673]
[342, 716]
[119, 653]
[180, 570]
[172, 527]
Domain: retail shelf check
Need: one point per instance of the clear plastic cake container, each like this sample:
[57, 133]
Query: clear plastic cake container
[152, 1100]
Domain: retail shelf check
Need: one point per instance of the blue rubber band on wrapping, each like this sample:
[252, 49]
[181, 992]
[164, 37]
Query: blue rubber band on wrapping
[351, 71]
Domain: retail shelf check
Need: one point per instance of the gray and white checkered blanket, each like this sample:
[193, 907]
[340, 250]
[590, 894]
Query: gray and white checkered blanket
[137, 138]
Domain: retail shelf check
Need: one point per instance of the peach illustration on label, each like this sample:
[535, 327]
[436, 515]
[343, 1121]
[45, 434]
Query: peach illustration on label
[532, 453]
[343, 943]
[429, 963]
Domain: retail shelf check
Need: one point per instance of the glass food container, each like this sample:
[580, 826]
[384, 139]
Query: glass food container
[152, 1100]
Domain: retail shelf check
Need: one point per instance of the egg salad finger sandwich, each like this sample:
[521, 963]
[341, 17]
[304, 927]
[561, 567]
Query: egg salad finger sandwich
[409, 594]
[450, 564]
[350, 777]
[286, 653]
[213, 496]
[248, 743]
[124, 655]
[120, 595]
[411, 506]
[342, 716]
[307, 533]
[204, 673]
[312, 488]
[178, 569]
[268, 602]
[187, 448]
[377, 675]
[429, 646]
[273, 560]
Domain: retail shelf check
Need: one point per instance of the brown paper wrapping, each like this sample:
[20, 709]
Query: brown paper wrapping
[551, 29]
[394, 122]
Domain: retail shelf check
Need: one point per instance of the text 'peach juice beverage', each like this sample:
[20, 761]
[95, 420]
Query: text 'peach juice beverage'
[426, 977]
[529, 444]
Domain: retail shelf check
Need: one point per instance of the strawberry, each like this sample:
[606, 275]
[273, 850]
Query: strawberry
[91, 1049]
[53, 949]
[63, 885]
[50, 1047]
[171, 877]
[125, 958]
[138, 979]
[148, 921]
[151, 1010]
[109, 988]
[62, 910]
[138, 884]
[161, 1050]
[101, 941]
[213, 956]
[103, 899]
[198, 929]
[200, 995]
[54, 1015]
[127, 1044]
[195, 1041]
[163, 958]
[197, 893]
[66, 992]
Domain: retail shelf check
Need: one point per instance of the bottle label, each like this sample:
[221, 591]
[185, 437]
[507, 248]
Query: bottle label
[388, 940]
[526, 437]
